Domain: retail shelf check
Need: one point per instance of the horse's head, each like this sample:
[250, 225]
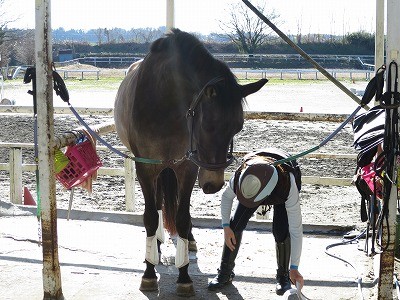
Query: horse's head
[216, 118]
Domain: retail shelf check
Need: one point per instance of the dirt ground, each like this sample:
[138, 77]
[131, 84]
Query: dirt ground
[320, 204]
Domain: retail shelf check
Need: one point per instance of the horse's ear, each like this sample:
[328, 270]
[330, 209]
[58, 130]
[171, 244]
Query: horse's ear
[253, 87]
[210, 91]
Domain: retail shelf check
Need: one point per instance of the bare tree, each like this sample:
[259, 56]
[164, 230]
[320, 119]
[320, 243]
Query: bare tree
[99, 35]
[25, 48]
[245, 29]
[7, 37]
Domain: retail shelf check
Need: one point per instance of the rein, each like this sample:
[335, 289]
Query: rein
[61, 90]
[192, 154]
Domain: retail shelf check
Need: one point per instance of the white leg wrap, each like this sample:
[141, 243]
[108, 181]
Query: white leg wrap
[160, 234]
[151, 250]
[182, 252]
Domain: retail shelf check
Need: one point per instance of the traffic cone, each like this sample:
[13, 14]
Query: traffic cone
[28, 199]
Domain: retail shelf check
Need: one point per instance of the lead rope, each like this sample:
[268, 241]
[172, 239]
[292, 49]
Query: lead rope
[61, 90]
[372, 89]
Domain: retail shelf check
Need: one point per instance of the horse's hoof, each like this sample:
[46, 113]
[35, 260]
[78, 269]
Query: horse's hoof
[149, 285]
[192, 246]
[185, 289]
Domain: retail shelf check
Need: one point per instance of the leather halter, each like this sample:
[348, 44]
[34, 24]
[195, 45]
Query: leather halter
[192, 154]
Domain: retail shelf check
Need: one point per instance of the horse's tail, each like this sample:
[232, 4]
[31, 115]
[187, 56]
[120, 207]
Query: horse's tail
[170, 190]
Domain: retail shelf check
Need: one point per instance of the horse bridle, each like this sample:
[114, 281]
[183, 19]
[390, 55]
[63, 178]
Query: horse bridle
[192, 154]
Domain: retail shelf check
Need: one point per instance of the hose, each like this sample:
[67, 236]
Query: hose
[359, 277]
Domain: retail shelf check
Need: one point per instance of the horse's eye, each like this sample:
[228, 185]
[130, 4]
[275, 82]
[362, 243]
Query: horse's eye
[210, 91]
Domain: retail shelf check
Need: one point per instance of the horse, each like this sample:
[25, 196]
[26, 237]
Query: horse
[178, 110]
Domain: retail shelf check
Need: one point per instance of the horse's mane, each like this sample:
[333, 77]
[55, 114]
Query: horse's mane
[192, 52]
[181, 41]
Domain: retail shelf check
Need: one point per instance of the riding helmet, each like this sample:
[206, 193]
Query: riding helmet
[256, 182]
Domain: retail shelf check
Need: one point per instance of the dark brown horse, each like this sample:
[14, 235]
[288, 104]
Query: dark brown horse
[182, 107]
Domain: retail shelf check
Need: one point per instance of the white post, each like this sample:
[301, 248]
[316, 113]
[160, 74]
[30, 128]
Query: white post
[130, 176]
[45, 133]
[170, 15]
[385, 282]
[16, 175]
[379, 34]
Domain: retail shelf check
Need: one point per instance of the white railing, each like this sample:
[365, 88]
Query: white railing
[300, 73]
[16, 167]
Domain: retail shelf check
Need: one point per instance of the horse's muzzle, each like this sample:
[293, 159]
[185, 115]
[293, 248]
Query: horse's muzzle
[211, 181]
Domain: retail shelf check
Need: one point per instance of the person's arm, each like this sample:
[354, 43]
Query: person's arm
[226, 208]
[293, 210]
[226, 205]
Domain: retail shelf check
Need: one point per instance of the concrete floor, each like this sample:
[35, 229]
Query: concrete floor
[104, 260]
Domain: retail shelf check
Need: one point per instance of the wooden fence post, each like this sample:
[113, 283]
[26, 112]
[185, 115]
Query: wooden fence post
[130, 176]
[16, 175]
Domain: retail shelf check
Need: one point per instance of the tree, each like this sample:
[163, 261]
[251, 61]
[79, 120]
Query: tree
[24, 48]
[7, 37]
[99, 35]
[245, 29]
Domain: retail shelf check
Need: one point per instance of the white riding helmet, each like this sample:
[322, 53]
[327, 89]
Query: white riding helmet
[256, 182]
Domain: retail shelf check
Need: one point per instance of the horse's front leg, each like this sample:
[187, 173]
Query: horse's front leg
[183, 226]
[150, 220]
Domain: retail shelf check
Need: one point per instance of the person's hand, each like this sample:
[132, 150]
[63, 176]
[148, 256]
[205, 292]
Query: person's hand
[230, 239]
[296, 277]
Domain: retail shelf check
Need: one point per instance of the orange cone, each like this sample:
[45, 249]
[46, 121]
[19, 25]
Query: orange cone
[28, 199]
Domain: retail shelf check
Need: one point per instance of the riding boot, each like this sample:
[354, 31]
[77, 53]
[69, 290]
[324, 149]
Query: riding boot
[225, 272]
[282, 273]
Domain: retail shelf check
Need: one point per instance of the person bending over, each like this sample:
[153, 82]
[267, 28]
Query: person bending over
[258, 182]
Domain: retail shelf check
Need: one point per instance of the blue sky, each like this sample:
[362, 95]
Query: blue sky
[315, 16]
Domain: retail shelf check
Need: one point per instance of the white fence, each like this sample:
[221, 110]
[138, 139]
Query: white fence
[301, 73]
[15, 167]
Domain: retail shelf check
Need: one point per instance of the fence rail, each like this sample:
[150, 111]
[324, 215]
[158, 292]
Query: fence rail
[235, 57]
[300, 73]
[15, 167]
[108, 111]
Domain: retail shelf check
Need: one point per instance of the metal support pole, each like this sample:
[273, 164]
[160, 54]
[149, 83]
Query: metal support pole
[170, 15]
[385, 282]
[379, 34]
[45, 132]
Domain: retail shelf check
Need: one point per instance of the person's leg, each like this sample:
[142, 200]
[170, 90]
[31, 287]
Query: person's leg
[280, 230]
[238, 224]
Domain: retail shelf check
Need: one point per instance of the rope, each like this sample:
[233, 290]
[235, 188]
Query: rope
[98, 137]
[323, 143]
[61, 90]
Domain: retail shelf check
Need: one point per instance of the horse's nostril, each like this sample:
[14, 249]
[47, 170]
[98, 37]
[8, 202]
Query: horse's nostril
[209, 188]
